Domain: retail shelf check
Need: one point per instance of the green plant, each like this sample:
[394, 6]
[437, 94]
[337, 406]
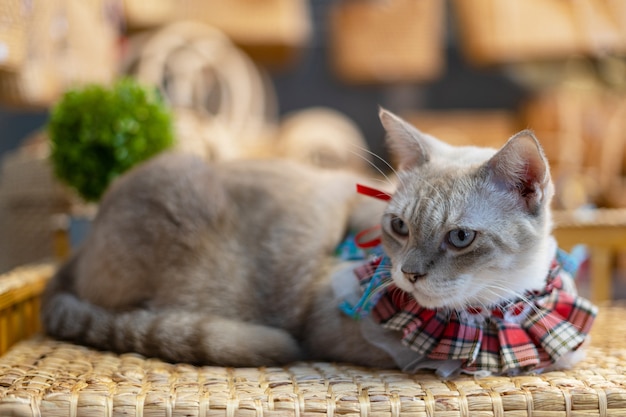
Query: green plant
[97, 133]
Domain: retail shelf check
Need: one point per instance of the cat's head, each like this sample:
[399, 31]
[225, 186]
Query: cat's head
[467, 226]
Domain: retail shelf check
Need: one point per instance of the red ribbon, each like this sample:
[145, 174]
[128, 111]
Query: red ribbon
[360, 237]
[364, 239]
[360, 241]
[372, 192]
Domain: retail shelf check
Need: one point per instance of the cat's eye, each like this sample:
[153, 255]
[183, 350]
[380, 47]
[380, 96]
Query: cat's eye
[399, 227]
[461, 238]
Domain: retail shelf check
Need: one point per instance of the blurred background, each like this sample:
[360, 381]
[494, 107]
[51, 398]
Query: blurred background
[250, 78]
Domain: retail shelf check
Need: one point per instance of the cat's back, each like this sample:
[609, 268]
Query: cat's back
[172, 219]
[291, 193]
[287, 212]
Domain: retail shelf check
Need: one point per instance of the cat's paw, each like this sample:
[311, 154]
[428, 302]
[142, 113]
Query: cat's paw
[243, 344]
[274, 347]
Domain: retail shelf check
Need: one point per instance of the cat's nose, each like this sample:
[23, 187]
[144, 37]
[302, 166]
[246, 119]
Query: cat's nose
[413, 277]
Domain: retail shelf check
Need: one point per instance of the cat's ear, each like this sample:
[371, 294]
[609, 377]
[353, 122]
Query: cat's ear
[407, 145]
[521, 167]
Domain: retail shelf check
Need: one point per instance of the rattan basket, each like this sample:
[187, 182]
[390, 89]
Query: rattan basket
[224, 104]
[42, 377]
[19, 303]
[54, 45]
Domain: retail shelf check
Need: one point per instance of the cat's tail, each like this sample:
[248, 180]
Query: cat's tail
[172, 334]
[65, 316]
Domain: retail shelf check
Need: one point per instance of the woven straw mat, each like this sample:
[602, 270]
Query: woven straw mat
[49, 378]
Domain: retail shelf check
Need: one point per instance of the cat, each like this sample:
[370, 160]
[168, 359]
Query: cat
[233, 264]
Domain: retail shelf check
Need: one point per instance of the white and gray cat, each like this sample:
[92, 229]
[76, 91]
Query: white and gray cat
[232, 263]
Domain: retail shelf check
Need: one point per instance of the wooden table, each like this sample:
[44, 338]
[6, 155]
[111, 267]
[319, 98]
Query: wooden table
[604, 232]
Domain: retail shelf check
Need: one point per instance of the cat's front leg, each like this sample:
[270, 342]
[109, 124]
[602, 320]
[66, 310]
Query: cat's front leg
[239, 343]
[331, 335]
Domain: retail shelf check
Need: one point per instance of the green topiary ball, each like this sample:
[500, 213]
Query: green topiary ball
[97, 133]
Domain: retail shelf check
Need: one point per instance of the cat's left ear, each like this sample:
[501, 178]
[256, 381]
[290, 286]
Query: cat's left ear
[408, 146]
[522, 168]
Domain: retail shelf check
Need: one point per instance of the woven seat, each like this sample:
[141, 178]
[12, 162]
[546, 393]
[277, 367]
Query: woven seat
[40, 376]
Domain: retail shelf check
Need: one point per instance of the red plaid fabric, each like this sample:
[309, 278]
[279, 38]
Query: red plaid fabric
[518, 336]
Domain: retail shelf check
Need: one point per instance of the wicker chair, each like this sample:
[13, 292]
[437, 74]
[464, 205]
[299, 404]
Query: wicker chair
[44, 377]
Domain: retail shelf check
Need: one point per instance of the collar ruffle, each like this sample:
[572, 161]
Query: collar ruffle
[518, 336]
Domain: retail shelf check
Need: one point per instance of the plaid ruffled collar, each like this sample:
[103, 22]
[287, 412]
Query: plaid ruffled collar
[512, 337]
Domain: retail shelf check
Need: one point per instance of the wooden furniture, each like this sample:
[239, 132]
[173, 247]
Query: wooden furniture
[43, 377]
[391, 41]
[604, 232]
[465, 127]
[19, 303]
[503, 32]
[272, 32]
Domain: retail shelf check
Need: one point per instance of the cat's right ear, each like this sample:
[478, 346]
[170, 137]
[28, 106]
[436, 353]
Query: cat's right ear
[408, 146]
[521, 167]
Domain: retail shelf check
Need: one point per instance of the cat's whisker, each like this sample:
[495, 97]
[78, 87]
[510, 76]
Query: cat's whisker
[385, 266]
[384, 284]
[522, 297]
[359, 153]
[375, 155]
[384, 181]
[428, 184]
[535, 309]
[505, 292]
[395, 290]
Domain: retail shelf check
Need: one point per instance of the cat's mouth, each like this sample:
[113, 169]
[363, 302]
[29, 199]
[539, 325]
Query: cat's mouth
[458, 294]
[432, 293]
[433, 301]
